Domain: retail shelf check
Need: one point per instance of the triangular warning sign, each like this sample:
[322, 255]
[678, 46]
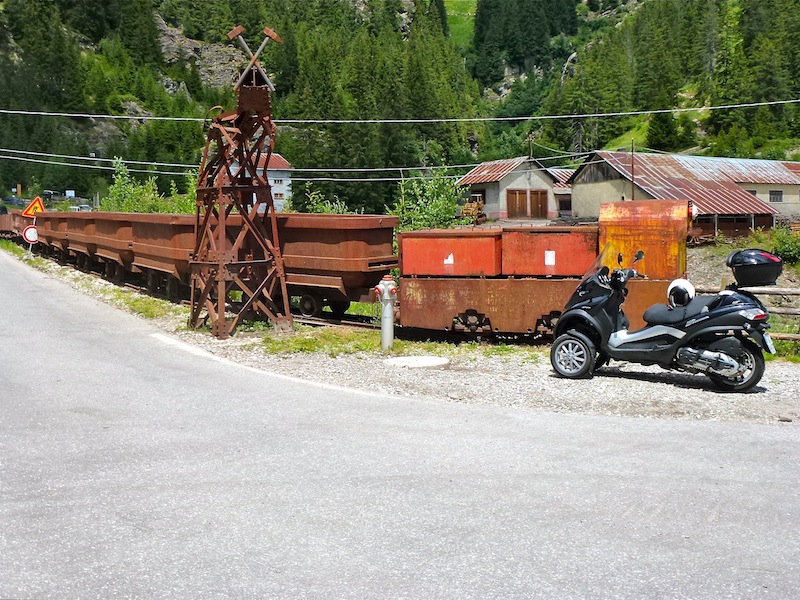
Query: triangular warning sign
[33, 208]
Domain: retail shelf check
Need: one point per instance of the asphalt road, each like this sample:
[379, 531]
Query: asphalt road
[131, 466]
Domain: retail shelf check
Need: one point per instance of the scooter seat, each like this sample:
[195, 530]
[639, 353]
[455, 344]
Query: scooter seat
[662, 314]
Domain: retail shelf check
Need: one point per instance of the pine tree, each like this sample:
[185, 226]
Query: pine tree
[437, 12]
[662, 133]
[138, 32]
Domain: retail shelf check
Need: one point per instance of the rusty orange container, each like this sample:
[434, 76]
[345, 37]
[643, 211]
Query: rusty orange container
[451, 253]
[549, 251]
[658, 227]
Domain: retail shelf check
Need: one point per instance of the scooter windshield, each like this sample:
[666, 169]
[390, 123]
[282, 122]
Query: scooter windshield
[597, 265]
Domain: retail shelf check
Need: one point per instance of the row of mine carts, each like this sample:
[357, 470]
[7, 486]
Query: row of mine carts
[476, 280]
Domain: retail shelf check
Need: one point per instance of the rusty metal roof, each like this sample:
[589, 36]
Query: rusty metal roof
[492, 171]
[712, 184]
[560, 179]
[561, 175]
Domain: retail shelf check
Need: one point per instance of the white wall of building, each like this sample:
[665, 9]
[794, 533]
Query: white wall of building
[281, 184]
[791, 196]
[587, 197]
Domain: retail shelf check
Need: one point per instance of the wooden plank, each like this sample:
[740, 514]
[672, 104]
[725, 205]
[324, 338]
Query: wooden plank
[794, 337]
[765, 291]
[780, 310]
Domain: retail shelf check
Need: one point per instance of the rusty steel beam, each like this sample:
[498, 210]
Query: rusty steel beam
[233, 189]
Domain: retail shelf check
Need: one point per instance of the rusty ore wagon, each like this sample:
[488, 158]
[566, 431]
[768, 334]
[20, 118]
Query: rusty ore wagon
[329, 259]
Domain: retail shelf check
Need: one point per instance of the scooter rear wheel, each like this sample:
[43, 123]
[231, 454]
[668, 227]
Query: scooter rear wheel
[753, 360]
[573, 355]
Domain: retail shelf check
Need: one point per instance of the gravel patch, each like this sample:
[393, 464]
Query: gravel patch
[529, 383]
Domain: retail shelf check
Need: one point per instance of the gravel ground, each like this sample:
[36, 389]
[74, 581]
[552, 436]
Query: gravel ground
[528, 382]
[523, 379]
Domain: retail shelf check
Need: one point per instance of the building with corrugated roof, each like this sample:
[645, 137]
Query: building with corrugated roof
[519, 188]
[729, 195]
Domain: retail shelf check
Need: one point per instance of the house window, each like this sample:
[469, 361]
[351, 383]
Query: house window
[278, 196]
[776, 195]
[753, 192]
[277, 182]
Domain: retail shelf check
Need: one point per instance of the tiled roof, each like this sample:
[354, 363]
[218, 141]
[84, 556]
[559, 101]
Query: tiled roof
[712, 184]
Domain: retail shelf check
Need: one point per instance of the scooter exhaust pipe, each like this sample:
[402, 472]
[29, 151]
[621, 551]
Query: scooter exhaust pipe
[707, 361]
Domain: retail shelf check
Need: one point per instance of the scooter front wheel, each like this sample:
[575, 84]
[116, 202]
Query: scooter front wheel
[573, 355]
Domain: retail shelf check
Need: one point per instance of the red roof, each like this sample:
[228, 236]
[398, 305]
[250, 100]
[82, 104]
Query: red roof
[710, 183]
[276, 163]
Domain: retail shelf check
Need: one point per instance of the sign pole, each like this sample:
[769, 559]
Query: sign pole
[29, 256]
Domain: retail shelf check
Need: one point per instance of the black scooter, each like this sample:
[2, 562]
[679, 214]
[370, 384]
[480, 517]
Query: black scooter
[721, 335]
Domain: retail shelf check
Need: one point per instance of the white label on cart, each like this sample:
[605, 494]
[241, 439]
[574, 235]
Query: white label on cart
[550, 258]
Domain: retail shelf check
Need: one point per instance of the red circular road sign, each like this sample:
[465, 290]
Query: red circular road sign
[30, 234]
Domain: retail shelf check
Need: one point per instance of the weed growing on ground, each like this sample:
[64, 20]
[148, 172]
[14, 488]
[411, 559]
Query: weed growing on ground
[12, 248]
[329, 340]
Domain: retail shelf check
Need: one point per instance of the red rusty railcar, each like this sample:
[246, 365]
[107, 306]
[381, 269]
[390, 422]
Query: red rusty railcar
[329, 259]
[7, 226]
[516, 280]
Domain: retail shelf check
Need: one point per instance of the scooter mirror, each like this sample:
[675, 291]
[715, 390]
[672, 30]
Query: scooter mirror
[619, 259]
[639, 256]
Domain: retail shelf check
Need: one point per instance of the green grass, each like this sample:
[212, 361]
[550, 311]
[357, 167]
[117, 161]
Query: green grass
[328, 340]
[334, 341]
[461, 21]
[12, 248]
[636, 135]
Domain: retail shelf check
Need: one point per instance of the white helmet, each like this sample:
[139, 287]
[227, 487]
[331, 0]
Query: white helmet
[680, 292]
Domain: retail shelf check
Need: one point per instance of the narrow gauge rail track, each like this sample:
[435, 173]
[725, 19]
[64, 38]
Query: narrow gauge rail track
[353, 321]
[141, 285]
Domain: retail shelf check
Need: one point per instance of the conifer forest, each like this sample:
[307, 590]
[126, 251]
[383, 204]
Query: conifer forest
[429, 83]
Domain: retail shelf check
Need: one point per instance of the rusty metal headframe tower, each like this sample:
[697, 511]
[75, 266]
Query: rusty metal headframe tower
[237, 266]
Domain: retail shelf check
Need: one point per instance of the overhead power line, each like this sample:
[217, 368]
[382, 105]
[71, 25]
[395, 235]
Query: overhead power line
[596, 115]
[404, 172]
[323, 170]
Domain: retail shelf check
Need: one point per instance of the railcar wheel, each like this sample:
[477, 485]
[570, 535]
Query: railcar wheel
[310, 304]
[752, 359]
[573, 355]
[339, 307]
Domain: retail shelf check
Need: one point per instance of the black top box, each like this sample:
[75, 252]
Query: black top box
[754, 267]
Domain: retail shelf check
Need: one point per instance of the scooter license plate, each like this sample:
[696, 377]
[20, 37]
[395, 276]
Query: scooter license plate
[768, 343]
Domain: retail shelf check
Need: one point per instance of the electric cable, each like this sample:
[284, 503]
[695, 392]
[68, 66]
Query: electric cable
[598, 115]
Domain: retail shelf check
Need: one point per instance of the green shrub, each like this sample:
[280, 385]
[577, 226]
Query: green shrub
[786, 245]
[429, 201]
[128, 195]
